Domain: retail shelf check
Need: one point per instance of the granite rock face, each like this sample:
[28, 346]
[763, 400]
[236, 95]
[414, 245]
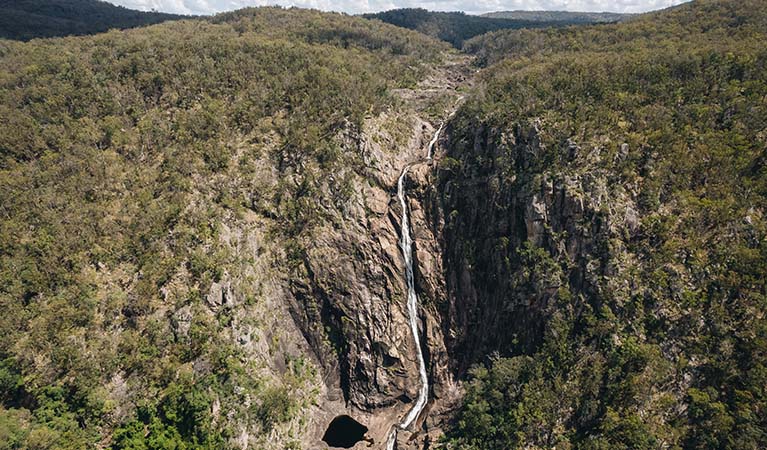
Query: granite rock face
[347, 289]
[493, 246]
[496, 204]
[348, 294]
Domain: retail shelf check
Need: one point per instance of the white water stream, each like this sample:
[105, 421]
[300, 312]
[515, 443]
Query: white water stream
[406, 245]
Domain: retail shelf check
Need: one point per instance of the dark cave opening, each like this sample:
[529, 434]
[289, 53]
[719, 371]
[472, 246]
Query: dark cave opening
[344, 432]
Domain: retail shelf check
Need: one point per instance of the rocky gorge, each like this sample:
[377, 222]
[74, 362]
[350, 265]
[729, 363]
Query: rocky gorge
[480, 290]
[286, 229]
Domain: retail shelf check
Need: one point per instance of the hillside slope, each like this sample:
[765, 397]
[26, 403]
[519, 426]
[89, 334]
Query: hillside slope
[453, 27]
[569, 17]
[166, 193]
[603, 194]
[29, 19]
[200, 234]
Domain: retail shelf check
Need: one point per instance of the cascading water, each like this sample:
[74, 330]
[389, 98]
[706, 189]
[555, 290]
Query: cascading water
[430, 149]
[406, 245]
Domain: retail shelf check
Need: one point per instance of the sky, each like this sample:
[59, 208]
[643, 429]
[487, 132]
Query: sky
[363, 6]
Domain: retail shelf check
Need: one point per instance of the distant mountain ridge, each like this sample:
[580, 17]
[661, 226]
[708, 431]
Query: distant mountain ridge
[28, 19]
[453, 27]
[457, 27]
[573, 17]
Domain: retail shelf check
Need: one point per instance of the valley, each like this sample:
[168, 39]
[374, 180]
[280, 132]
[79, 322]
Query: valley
[291, 229]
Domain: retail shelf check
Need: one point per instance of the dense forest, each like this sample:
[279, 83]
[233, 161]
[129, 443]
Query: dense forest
[571, 18]
[124, 156]
[641, 148]
[453, 27]
[29, 19]
[200, 228]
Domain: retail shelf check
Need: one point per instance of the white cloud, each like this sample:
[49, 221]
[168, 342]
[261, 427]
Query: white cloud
[361, 6]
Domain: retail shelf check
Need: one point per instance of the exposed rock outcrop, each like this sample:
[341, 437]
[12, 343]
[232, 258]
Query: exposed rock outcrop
[492, 221]
[350, 294]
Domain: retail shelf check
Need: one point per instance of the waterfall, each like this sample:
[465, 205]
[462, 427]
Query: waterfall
[430, 149]
[406, 245]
